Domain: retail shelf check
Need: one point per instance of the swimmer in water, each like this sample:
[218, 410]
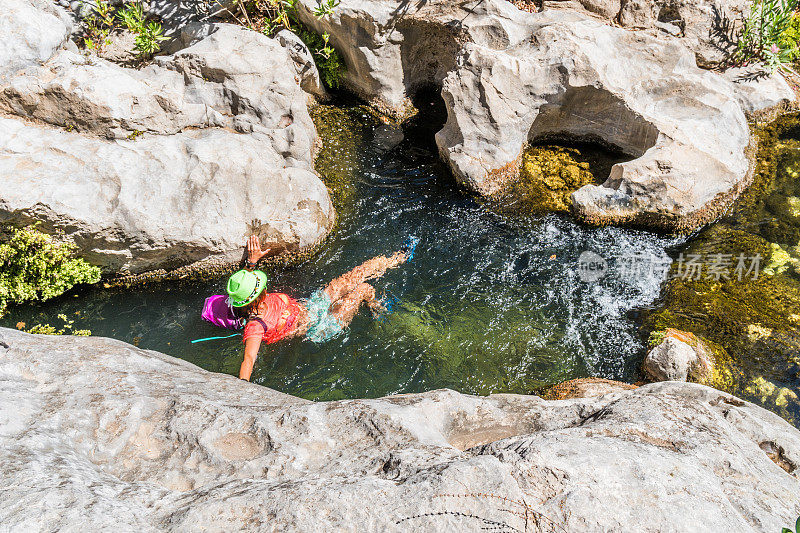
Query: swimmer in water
[273, 316]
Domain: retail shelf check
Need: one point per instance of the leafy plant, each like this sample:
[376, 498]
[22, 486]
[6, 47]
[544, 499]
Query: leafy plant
[325, 8]
[35, 266]
[656, 338]
[329, 61]
[98, 25]
[763, 34]
[796, 527]
[47, 329]
[148, 33]
[791, 37]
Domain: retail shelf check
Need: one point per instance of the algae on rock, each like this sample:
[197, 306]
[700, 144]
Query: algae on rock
[755, 319]
[551, 173]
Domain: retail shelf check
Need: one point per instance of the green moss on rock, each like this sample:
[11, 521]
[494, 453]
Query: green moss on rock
[755, 322]
[550, 174]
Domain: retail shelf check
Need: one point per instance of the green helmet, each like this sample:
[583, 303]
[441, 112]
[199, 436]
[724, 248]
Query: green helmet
[244, 287]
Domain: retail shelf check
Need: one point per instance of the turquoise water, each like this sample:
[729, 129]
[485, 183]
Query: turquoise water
[490, 303]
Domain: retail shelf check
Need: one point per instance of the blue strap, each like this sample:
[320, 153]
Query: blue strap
[214, 338]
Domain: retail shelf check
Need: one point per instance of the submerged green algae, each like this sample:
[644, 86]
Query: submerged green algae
[550, 173]
[756, 319]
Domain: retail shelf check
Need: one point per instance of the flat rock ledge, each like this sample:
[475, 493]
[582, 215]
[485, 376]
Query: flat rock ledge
[162, 167]
[509, 78]
[95, 433]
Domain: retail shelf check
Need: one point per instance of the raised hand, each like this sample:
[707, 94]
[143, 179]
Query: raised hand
[254, 252]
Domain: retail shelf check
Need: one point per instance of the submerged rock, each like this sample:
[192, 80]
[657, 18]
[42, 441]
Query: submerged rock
[585, 388]
[96, 433]
[166, 166]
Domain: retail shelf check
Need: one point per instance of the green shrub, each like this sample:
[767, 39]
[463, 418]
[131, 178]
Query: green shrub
[763, 35]
[148, 34]
[98, 25]
[329, 61]
[790, 37]
[656, 338]
[35, 266]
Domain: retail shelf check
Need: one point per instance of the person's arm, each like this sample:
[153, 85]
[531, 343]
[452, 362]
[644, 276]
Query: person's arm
[251, 347]
[254, 252]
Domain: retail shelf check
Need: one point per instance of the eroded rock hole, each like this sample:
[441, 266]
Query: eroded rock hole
[776, 453]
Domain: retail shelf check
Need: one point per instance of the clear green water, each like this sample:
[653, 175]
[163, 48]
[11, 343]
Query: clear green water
[491, 303]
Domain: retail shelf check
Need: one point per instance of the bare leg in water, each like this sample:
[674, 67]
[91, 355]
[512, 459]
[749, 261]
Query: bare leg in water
[349, 290]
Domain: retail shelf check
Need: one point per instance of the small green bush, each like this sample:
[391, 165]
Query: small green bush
[35, 266]
[98, 25]
[763, 35]
[148, 34]
[328, 59]
[790, 38]
[656, 338]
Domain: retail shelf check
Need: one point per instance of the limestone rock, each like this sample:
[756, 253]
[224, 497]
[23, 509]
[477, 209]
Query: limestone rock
[126, 203]
[31, 31]
[509, 77]
[304, 63]
[756, 90]
[706, 27]
[670, 361]
[217, 134]
[95, 433]
[571, 83]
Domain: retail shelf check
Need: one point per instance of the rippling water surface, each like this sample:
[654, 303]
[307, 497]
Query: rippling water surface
[490, 303]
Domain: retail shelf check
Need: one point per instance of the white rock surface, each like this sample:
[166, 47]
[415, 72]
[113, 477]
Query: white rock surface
[509, 77]
[161, 201]
[303, 62]
[671, 360]
[31, 31]
[98, 434]
[209, 144]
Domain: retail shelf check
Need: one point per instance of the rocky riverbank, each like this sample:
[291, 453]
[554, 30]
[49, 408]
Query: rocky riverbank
[96, 433]
[159, 167]
[183, 157]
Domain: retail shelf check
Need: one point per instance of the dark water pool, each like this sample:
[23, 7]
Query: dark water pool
[491, 302]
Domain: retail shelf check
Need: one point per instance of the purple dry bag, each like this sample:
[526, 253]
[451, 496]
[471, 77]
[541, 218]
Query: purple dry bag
[218, 311]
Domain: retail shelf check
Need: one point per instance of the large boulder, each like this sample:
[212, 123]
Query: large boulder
[509, 78]
[181, 159]
[682, 125]
[95, 433]
[32, 30]
[159, 202]
[707, 27]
